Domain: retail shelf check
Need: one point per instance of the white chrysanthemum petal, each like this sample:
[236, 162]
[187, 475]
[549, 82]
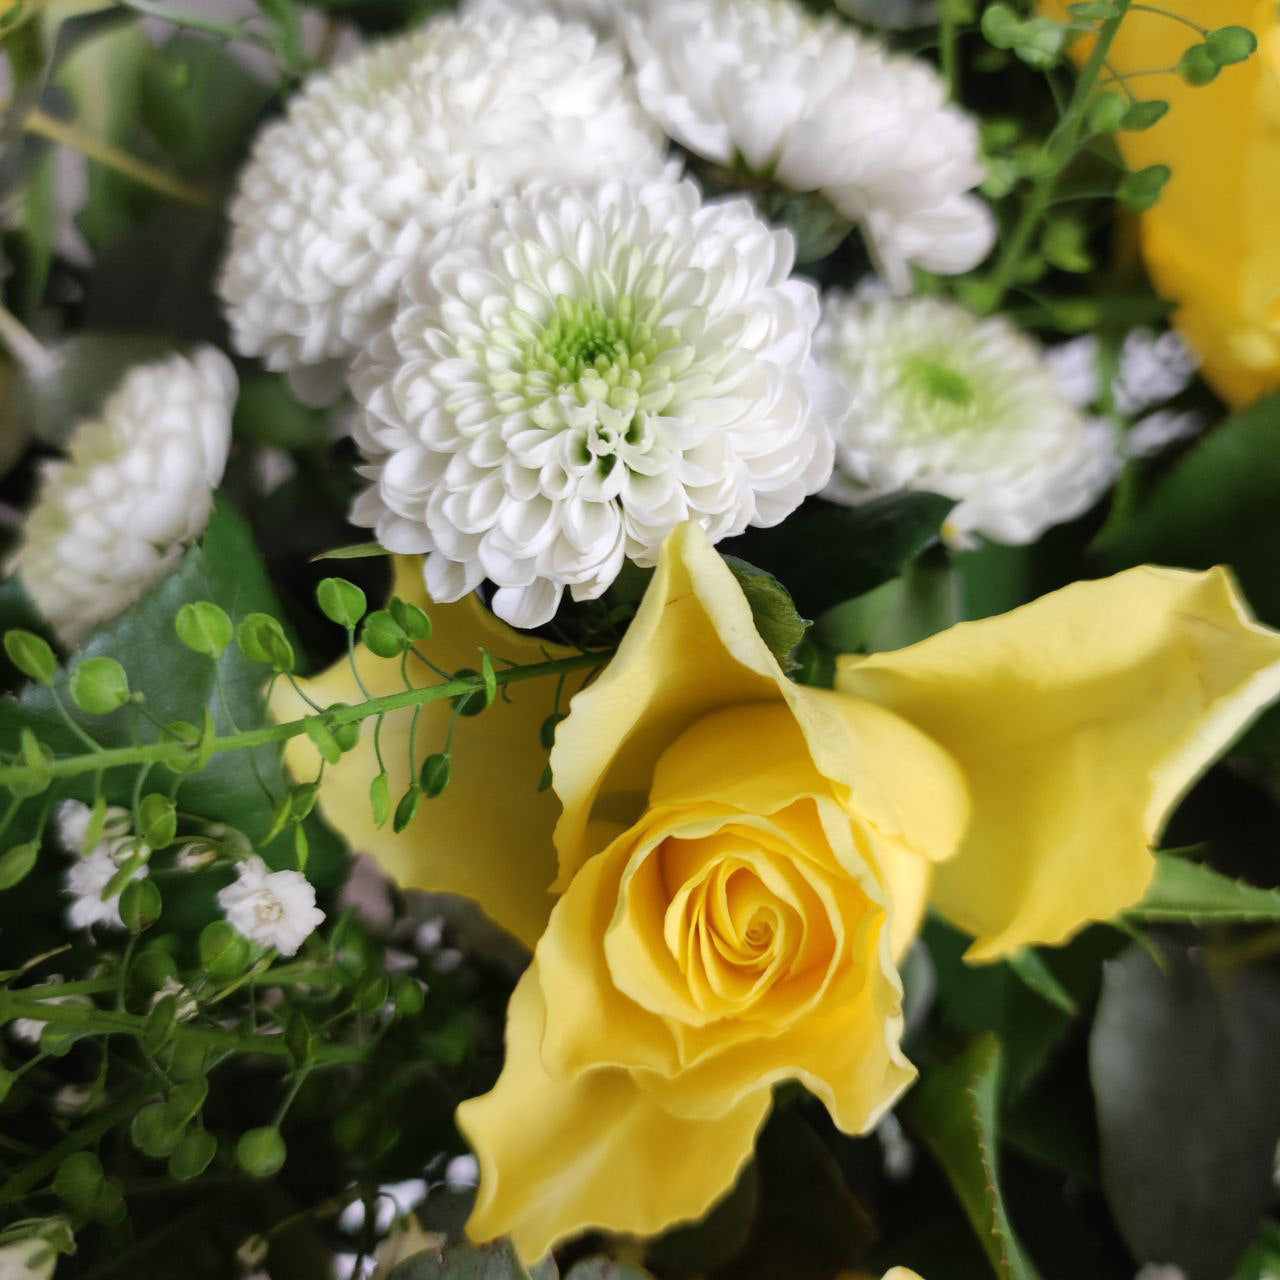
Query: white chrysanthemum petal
[272, 908]
[375, 158]
[821, 108]
[943, 401]
[112, 518]
[576, 374]
[603, 15]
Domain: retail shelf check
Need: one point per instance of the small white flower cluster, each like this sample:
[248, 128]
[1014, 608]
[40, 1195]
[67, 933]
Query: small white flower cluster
[112, 519]
[951, 403]
[272, 908]
[1151, 370]
[94, 868]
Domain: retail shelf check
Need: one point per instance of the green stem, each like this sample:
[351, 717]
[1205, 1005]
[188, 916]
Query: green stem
[948, 52]
[159, 752]
[1067, 137]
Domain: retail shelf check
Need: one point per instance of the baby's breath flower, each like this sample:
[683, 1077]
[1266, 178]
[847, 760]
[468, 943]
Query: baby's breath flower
[186, 1006]
[947, 402]
[272, 908]
[571, 376]
[93, 870]
[113, 517]
[372, 159]
[814, 105]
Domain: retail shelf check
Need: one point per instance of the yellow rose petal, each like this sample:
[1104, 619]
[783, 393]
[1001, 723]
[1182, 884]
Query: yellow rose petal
[559, 1155]
[488, 836]
[1079, 721]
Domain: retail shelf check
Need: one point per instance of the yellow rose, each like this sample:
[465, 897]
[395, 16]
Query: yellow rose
[1211, 243]
[740, 859]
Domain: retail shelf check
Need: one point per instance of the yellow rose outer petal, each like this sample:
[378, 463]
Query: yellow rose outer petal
[1079, 720]
[693, 649]
[1210, 242]
[488, 836]
[558, 1156]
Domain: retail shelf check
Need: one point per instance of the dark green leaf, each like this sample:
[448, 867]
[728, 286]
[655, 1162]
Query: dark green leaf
[159, 819]
[16, 863]
[861, 546]
[79, 1181]
[1183, 1070]
[496, 1261]
[954, 1110]
[437, 769]
[192, 1156]
[780, 625]
[1216, 506]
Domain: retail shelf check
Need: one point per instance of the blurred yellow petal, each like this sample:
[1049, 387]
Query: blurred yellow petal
[489, 835]
[1210, 243]
[559, 1155]
[1079, 720]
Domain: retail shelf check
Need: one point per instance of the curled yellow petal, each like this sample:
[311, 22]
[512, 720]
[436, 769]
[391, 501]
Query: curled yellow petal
[559, 1155]
[488, 836]
[1079, 720]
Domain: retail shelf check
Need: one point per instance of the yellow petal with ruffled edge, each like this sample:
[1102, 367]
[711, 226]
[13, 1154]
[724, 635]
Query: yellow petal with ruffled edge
[1079, 720]
[489, 835]
[693, 649]
[1210, 242]
[559, 1156]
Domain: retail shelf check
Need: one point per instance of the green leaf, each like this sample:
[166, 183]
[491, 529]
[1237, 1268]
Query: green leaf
[774, 612]
[496, 1261]
[1198, 66]
[1038, 977]
[322, 739]
[261, 639]
[355, 551]
[1217, 505]
[16, 863]
[154, 1133]
[192, 1156]
[437, 769]
[79, 1181]
[1143, 115]
[1187, 892]
[490, 678]
[380, 799]
[605, 1269]
[140, 905]
[204, 628]
[99, 686]
[223, 952]
[1142, 190]
[159, 820]
[954, 1110]
[31, 655]
[341, 601]
[412, 620]
[407, 809]
[861, 546]
[268, 413]
[1229, 45]
[1182, 1063]
[383, 635]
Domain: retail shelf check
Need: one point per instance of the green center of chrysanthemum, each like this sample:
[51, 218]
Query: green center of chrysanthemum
[584, 340]
[930, 377]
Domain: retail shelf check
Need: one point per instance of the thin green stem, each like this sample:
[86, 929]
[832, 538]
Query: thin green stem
[948, 53]
[77, 730]
[158, 753]
[1064, 141]
[1168, 13]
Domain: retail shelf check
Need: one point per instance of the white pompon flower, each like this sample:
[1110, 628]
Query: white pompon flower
[570, 376]
[602, 15]
[372, 159]
[819, 107]
[947, 402]
[113, 517]
[272, 908]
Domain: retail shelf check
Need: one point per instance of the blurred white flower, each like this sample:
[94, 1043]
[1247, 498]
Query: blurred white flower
[1157, 431]
[603, 15]
[87, 878]
[186, 1006]
[393, 1201]
[370, 160]
[272, 908]
[31, 1259]
[947, 402]
[574, 375]
[462, 1171]
[113, 517]
[1157, 1271]
[1152, 369]
[72, 819]
[818, 107]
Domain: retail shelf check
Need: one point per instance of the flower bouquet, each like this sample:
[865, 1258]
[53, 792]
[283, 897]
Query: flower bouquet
[637, 640]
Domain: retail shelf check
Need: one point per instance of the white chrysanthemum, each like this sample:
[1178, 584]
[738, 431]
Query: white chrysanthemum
[272, 908]
[603, 15]
[947, 402]
[574, 375]
[113, 517]
[818, 107]
[375, 157]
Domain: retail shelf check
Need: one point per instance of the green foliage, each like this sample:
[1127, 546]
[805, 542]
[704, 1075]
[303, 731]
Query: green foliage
[341, 601]
[1188, 892]
[204, 628]
[780, 625]
[954, 1110]
[1182, 1062]
[31, 655]
[99, 686]
[475, 1262]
